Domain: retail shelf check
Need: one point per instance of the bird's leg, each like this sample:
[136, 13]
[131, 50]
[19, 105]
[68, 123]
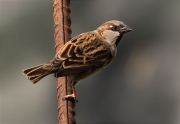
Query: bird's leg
[73, 95]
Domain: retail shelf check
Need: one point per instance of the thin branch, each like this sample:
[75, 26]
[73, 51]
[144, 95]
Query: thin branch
[62, 33]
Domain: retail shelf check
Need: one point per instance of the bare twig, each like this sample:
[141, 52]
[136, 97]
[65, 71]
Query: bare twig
[62, 33]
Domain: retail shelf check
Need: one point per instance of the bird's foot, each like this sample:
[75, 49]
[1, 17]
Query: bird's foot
[70, 96]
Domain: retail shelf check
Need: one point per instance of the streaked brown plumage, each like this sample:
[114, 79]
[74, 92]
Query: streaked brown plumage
[83, 55]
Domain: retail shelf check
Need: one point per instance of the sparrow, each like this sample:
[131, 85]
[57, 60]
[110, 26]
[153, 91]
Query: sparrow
[83, 55]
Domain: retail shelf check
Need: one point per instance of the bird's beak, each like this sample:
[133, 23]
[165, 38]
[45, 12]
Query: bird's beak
[126, 29]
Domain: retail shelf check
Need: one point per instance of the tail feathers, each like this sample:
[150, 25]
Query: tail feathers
[36, 73]
[34, 70]
[36, 78]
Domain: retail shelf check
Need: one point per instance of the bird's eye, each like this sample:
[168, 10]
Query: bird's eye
[114, 27]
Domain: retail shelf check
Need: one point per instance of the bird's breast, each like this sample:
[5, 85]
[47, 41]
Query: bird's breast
[113, 52]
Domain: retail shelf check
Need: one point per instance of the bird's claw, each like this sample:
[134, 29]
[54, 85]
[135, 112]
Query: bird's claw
[70, 96]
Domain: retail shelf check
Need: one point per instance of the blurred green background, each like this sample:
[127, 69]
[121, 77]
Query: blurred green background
[140, 86]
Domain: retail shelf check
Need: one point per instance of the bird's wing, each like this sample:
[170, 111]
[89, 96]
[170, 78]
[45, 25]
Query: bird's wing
[82, 52]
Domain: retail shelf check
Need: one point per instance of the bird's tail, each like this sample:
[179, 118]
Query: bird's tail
[36, 73]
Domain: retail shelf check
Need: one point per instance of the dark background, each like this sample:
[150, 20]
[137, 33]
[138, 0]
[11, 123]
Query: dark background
[140, 86]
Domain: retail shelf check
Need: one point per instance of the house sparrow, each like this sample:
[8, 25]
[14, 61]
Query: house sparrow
[83, 55]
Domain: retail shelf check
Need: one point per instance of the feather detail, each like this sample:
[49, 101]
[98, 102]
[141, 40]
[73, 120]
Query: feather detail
[83, 50]
[36, 73]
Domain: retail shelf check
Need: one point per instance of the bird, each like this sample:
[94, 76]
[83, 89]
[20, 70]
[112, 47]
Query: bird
[83, 55]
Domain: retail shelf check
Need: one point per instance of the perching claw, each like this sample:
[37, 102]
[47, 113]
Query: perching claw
[73, 95]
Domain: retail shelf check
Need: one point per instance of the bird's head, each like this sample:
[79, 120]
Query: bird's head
[113, 31]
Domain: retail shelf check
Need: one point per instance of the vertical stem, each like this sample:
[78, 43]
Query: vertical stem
[62, 33]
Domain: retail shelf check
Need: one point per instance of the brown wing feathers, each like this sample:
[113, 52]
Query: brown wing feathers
[81, 50]
[79, 54]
